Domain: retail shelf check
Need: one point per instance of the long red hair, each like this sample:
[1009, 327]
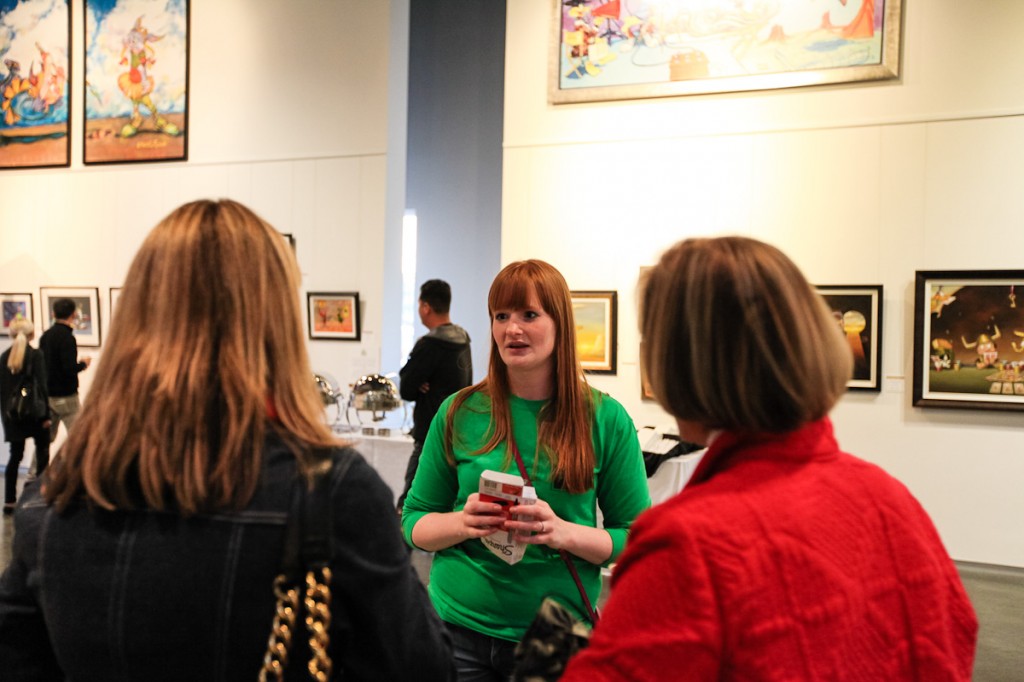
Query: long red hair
[564, 431]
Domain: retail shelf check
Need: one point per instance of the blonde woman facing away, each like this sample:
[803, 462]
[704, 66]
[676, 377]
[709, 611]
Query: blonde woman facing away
[152, 552]
[578, 446]
[784, 558]
[22, 364]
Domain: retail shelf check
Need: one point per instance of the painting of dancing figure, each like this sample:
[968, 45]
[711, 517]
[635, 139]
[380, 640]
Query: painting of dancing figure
[136, 80]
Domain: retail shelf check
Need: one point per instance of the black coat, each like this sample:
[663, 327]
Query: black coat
[104, 595]
[8, 381]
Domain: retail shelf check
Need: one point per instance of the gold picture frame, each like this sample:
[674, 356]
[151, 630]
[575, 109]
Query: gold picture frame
[596, 319]
[613, 50]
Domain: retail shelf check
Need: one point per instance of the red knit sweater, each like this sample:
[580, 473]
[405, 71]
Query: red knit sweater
[784, 559]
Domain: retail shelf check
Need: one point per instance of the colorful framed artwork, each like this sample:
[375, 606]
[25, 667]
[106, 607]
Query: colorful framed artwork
[614, 50]
[334, 315]
[86, 322]
[596, 315]
[857, 310]
[969, 339]
[136, 81]
[14, 306]
[35, 102]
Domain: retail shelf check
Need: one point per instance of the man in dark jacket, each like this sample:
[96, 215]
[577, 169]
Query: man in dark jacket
[440, 364]
[60, 352]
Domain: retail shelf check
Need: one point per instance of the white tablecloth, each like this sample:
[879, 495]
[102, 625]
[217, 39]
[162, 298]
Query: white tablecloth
[389, 455]
[672, 475]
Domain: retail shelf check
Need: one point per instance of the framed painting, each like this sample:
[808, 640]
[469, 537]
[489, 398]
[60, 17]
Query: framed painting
[35, 105]
[333, 315]
[86, 320]
[614, 50]
[596, 316]
[857, 310]
[969, 339]
[15, 306]
[136, 81]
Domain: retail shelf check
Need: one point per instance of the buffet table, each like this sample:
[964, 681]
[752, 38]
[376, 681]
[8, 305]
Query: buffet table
[389, 455]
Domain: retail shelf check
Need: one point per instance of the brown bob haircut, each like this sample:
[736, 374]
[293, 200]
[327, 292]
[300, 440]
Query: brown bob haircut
[735, 338]
[564, 432]
[207, 340]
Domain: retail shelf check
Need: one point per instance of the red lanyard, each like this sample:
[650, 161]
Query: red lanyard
[591, 611]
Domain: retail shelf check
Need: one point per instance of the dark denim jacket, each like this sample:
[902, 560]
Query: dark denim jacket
[96, 595]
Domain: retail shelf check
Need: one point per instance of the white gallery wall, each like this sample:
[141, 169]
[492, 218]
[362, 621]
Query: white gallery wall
[860, 184]
[288, 114]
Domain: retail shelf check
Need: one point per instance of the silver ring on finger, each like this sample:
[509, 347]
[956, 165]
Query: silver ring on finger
[542, 527]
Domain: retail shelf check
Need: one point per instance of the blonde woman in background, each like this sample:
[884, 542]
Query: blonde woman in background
[784, 558]
[17, 362]
[152, 552]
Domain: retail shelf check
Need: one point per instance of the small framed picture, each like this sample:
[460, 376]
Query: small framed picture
[334, 315]
[596, 314]
[15, 306]
[969, 339]
[86, 319]
[857, 309]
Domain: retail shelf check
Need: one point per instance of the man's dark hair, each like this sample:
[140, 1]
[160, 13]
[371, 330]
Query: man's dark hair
[63, 308]
[437, 294]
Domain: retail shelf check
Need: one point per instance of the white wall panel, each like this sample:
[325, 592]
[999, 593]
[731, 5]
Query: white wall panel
[286, 100]
[860, 184]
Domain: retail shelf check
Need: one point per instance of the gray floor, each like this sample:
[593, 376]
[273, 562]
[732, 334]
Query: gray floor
[997, 594]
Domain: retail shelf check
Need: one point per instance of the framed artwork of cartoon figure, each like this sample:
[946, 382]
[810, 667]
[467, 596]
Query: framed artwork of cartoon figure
[969, 339]
[15, 306]
[611, 50]
[86, 321]
[858, 313]
[35, 106]
[136, 81]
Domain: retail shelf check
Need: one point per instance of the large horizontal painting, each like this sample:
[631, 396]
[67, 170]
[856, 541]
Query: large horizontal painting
[626, 49]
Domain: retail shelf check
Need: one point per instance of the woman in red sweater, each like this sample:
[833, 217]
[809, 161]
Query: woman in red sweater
[784, 558]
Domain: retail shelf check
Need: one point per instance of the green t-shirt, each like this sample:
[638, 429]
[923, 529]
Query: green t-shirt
[468, 584]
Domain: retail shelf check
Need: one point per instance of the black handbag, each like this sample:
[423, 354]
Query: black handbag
[304, 568]
[27, 406]
[555, 635]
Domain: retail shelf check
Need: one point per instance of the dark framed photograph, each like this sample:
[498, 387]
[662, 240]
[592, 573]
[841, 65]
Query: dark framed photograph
[334, 315]
[596, 318]
[969, 339]
[15, 306]
[603, 50]
[136, 81]
[857, 309]
[86, 321]
[35, 102]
